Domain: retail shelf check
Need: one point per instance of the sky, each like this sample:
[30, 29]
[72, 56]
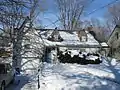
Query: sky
[50, 14]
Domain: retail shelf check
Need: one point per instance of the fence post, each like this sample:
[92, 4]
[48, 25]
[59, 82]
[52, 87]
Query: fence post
[38, 79]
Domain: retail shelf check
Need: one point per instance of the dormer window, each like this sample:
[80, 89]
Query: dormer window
[27, 46]
[55, 36]
[83, 38]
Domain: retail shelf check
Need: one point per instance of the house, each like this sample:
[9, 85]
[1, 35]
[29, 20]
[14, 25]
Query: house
[47, 42]
[31, 52]
[114, 42]
[80, 40]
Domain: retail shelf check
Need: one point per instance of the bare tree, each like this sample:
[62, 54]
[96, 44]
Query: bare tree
[114, 13]
[70, 12]
[99, 29]
[34, 49]
[16, 19]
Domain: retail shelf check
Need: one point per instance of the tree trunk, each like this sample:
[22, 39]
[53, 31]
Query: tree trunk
[17, 49]
[17, 44]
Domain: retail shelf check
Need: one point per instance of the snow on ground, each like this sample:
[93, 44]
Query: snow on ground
[104, 76]
[76, 77]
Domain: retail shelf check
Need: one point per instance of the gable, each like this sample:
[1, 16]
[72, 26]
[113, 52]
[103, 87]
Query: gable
[115, 36]
[114, 30]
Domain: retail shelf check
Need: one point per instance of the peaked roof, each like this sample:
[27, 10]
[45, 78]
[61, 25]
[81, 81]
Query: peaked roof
[71, 38]
[117, 26]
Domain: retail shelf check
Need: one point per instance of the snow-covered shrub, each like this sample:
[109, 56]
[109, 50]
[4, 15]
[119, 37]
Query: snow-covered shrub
[80, 58]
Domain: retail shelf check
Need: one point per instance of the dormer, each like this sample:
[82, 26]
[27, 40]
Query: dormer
[55, 36]
[82, 36]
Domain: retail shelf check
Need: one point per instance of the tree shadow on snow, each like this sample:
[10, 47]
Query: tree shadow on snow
[87, 82]
[112, 66]
[29, 69]
[18, 86]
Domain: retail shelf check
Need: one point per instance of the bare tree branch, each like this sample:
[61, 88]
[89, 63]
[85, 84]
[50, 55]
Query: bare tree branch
[70, 12]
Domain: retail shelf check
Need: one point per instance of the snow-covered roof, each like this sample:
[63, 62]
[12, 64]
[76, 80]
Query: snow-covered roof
[71, 39]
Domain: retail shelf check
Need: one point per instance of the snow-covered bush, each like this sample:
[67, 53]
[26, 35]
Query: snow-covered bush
[79, 58]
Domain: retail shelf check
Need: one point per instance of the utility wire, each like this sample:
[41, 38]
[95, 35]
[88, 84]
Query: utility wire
[102, 7]
[88, 13]
[53, 23]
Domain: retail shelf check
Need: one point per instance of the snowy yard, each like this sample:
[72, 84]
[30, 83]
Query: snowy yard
[105, 76]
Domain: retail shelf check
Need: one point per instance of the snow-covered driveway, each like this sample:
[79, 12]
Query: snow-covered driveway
[75, 77]
[104, 76]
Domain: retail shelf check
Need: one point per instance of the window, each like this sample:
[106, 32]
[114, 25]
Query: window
[83, 38]
[2, 69]
[117, 35]
[27, 46]
[28, 41]
[82, 49]
[8, 67]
